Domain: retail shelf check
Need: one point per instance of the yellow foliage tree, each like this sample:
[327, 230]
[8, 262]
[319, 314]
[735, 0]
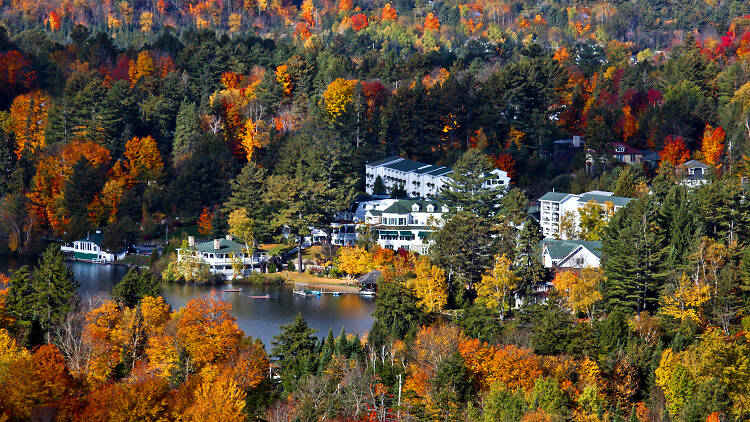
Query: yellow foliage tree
[338, 95]
[497, 285]
[142, 67]
[28, 121]
[592, 221]
[685, 301]
[429, 285]
[218, 398]
[355, 260]
[146, 21]
[580, 288]
[235, 22]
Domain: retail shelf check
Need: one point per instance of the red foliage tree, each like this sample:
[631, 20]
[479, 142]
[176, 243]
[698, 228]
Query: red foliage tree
[359, 22]
[675, 151]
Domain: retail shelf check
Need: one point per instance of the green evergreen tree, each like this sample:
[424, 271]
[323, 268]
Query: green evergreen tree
[529, 265]
[468, 189]
[187, 131]
[44, 296]
[396, 315]
[293, 349]
[378, 187]
[135, 286]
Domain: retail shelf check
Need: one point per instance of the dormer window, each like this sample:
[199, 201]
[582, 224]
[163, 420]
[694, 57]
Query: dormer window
[445, 208]
[415, 207]
[430, 208]
[620, 149]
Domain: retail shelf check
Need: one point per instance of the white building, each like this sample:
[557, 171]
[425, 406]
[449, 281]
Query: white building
[571, 253]
[554, 205]
[693, 172]
[406, 224]
[90, 249]
[222, 255]
[419, 180]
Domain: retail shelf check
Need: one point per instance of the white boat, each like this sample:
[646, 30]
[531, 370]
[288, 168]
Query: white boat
[367, 292]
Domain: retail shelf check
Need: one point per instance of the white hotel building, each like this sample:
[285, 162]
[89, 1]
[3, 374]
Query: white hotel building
[554, 205]
[419, 180]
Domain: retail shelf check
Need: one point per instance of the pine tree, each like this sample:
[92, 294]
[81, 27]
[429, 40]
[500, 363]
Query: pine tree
[378, 187]
[467, 191]
[528, 263]
[293, 348]
[187, 131]
[135, 286]
[45, 295]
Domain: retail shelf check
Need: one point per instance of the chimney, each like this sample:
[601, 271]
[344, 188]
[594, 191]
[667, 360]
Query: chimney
[217, 244]
[229, 237]
[191, 240]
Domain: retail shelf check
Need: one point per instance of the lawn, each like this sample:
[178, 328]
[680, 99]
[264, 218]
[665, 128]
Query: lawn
[140, 260]
[295, 277]
[277, 248]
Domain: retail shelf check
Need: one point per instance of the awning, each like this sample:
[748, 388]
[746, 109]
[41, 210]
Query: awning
[406, 233]
[388, 232]
[423, 234]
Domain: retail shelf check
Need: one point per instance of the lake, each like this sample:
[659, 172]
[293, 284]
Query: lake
[259, 318]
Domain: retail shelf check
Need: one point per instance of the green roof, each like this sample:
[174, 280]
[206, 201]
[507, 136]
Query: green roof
[388, 232]
[617, 201]
[423, 234]
[95, 238]
[384, 160]
[405, 233]
[559, 249]
[226, 246]
[554, 196]
[403, 206]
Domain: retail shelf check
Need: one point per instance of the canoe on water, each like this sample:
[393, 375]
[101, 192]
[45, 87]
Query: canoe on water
[232, 290]
[261, 297]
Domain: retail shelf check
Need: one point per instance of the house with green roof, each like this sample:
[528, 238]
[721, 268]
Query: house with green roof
[419, 180]
[571, 253]
[91, 249]
[224, 257]
[554, 206]
[406, 224]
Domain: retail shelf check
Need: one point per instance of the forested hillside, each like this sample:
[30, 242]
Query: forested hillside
[255, 118]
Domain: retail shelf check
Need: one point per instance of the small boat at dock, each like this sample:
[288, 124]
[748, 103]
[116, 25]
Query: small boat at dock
[232, 290]
[266, 296]
[300, 292]
[367, 292]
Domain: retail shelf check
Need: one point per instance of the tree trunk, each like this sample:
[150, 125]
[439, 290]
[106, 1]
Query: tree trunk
[299, 253]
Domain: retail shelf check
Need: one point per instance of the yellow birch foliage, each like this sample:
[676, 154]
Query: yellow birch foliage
[685, 302]
[338, 95]
[430, 285]
[218, 398]
[355, 260]
[146, 21]
[28, 120]
[235, 22]
[497, 285]
[580, 288]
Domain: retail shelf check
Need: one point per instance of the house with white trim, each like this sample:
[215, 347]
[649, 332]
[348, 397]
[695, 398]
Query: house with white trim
[693, 172]
[407, 224]
[222, 255]
[419, 180]
[553, 206]
[90, 249]
[571, 253]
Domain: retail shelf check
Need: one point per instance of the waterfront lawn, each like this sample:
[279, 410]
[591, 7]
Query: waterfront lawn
[140, 260]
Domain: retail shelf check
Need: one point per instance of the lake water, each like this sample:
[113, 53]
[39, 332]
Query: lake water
[259, 318]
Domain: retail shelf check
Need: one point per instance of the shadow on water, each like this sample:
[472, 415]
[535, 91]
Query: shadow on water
[259, 318]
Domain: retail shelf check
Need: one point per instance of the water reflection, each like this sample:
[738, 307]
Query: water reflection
[259, 318]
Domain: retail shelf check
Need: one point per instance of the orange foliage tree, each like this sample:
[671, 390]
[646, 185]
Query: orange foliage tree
[143, 159]
[712, 145]
[509, 365]
[431, 22]
[207, 329]
[505, 162]
[142, 67]
[28, 120]
[388, 13]
[359, 22]
[15, 73]
[345, 5]
[675, 151]
[52, 172]
[285, 79]
[205, 225]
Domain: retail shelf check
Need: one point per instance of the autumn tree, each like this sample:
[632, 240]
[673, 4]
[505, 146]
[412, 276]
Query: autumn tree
[580, 288]
[208, 331]
[388, 13]
[355, 260]
[684, 300]
[675, 151]
[28, 121]
[592, 220]
[205, 222]
[431, 22]
[712, 145]
[497, 285]
[144, 162]
[429, 285]
[338, 95]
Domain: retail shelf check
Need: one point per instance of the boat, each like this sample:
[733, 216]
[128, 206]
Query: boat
[266, 296]
[232, 290]
[314, 292]
[335, 293]
[300, 292]
[367, 292]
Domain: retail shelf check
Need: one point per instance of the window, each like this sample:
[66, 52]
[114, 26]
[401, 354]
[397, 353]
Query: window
[430, 208]
[579, 261]
[620, 149]
[401, 221]
[415, 207]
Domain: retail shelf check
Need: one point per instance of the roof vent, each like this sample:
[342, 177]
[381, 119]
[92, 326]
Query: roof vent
[217, 244]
